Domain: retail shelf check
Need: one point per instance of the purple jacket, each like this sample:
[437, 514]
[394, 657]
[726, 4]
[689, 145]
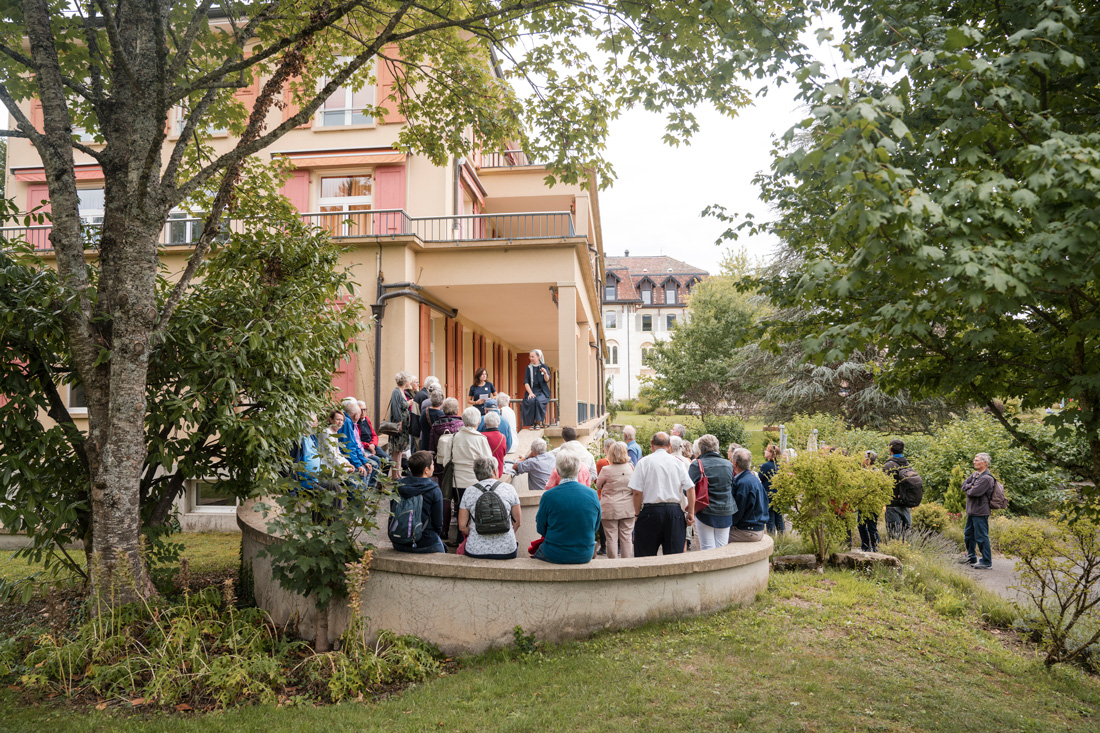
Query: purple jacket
[446, 425]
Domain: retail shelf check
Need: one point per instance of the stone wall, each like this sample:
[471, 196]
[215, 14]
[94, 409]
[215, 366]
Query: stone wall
[467, 606]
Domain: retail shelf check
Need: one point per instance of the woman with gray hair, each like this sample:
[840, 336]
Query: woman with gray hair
[400, 414]
[568, 516]
[536, 382]
[714, 522]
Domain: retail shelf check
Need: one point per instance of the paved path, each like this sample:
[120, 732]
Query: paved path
[999, 578]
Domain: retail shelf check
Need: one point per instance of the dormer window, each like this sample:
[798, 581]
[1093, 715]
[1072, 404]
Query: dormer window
[646, 289]
[670, 292]
[611, 289]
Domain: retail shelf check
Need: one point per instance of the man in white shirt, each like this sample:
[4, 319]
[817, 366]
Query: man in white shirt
[659, 483]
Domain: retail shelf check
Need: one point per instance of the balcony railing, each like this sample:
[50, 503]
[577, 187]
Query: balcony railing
[356, 224]
[507, 159]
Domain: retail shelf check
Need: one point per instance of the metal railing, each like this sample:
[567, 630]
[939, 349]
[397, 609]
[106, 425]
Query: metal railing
[354, 224]
[507, 159]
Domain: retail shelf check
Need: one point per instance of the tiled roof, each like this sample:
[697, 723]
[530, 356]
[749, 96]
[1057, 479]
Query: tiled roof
[631, 271]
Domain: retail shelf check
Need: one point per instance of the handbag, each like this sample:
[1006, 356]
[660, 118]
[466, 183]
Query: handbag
[702, 490]
[392, 429]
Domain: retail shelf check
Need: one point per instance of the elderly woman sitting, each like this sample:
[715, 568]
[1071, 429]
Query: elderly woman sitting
[499, 545]
[538, 465]
[498, 444]
[568, 517]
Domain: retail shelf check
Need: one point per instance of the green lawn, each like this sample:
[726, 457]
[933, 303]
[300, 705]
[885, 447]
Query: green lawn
[816, 652]
[207, 552]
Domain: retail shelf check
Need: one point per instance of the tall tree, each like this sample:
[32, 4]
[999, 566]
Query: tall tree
[118, 68]
[946, 214]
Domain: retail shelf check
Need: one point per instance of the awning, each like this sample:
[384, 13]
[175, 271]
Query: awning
[343, 158]
[38, 175]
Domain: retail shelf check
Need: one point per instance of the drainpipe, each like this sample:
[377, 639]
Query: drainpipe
[385, 293]
[458, 163]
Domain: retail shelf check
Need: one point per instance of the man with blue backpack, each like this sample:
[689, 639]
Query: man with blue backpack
[416, 516]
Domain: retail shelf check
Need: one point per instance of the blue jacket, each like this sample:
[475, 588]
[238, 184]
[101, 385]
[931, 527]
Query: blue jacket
[304, 452]
[432, 502]
[719, 474]
[568, 517]
[505, 430]
[752, 502]
[634, 451]
[767, 470]
[349, 441]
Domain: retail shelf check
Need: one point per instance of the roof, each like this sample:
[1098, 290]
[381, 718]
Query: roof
[631, 271]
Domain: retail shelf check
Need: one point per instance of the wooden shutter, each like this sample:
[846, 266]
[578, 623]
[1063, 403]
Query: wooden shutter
[387, 86]
[425, 342]
[297, 190]
[38, 194]
[290, 107]
[389, 193]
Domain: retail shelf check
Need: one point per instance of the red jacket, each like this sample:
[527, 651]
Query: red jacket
[498, 444]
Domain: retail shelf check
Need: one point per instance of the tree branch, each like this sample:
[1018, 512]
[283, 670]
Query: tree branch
[116, 44]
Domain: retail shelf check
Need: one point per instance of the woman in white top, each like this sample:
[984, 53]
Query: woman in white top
[501, 546]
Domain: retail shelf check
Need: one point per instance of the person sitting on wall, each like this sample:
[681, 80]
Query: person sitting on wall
[536, 382]
[500, 545]
[498, 444]
[419, 482]
[570, 442]
[352, 442]
[538, 465]
[368, 436]
[568, 517]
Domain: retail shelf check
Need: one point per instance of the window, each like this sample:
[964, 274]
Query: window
[611, 319]
[92, 202]
[645, 353]
[179, 121]
[77, 399]
[647, 293]
[347, 106]
[647, 322]
[182, 227]
[611, 289]
[670, 292]
[613, 355]
[346, 193]
[209, 496]
[670, 321]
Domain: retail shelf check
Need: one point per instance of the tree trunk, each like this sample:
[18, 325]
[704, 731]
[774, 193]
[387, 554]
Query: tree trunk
[320, 638]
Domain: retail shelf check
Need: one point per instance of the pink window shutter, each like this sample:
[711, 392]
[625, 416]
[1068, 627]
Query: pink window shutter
[389, 193]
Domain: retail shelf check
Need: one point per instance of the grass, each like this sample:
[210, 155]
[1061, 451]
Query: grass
[837, 651]
[207, 552]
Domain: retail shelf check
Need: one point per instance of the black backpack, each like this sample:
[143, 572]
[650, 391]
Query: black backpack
[908, 487]
[406, 520]
[491, 514]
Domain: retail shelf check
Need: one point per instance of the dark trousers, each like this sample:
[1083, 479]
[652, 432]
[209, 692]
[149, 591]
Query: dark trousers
[428, 542]
[660, 526]
[868, 534]
[976, 537]
[898, 521]
[775, 522]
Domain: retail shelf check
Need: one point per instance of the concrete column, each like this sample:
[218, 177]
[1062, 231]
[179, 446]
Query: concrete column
[567, 353]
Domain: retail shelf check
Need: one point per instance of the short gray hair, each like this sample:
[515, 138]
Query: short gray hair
[485, 468]
[707, 443]
[629, 433]
[679, 429]
[435, 394]
[471, 417]
[732, 448]
[675, 442]
[450, 406]
[492, 419]
[568, 464]
[742, 458]
[402, 378]
[429, 381]
[984, 458]
[350, 405]
[538, 446]
[503, 399]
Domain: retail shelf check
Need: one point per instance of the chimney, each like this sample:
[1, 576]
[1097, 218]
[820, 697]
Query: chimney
[626, 253]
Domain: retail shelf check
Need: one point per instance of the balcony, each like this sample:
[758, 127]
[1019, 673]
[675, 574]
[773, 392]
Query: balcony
[507, 159]
[344, 225]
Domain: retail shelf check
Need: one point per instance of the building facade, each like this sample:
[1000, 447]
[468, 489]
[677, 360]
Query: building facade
[472, 264]
[643, 299]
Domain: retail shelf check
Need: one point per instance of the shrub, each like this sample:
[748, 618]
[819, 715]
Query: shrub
[643, 406]
[626, 405]
[930, 516]
[727, 429]
[954, 500]
[1058, 569]
[823, 494]
[663, 411]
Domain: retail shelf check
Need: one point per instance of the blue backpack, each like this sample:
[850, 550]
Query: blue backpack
[406, 520]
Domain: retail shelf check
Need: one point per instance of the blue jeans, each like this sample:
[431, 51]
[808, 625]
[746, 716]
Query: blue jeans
[868, 534]
[976, 537]
[428, 542]
[898, 521]
[775, 521]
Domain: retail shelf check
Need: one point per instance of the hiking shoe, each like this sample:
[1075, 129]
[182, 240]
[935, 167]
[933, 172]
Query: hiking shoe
[981, 566]
[967, 560]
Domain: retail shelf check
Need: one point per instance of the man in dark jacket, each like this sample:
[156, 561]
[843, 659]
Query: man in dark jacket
[419, 481]
[750, 516]
[898, 519]
[978, 488]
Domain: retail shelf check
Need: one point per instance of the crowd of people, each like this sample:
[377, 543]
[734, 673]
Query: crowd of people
[451, 462]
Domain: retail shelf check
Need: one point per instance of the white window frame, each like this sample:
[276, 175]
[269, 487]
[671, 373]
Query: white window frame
[179, 120]
[643, 323]
[611, 289]
[670, 287]
[611, 320]
[670, 321]
[348, 109]
[75, 410]
[193, 506]
[645, 289]
[89, 216]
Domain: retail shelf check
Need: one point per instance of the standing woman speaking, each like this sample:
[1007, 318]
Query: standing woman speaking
[481, 390]
[537, 383]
